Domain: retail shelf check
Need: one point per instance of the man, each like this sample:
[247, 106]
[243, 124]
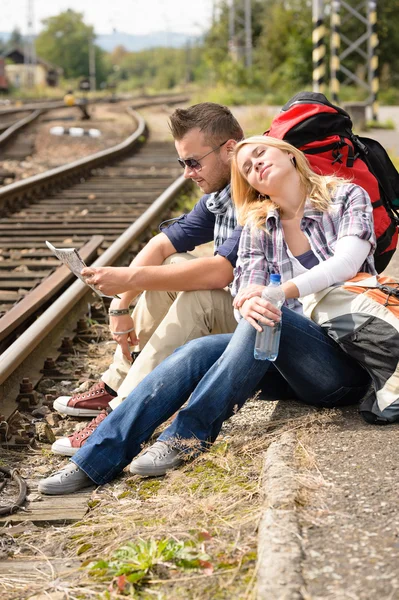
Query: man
[195, 303]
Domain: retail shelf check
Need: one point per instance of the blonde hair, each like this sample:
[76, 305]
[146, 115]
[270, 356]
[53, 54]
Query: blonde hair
[247, 199]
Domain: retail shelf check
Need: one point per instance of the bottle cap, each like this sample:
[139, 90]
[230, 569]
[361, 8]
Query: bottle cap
[275, 278]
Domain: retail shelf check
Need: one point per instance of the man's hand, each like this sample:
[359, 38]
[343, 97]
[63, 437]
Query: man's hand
[257, 309]
[109, 280]
[125, 340]
[248, 292]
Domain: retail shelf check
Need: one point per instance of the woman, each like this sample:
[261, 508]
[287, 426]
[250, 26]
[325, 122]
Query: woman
[314, 231]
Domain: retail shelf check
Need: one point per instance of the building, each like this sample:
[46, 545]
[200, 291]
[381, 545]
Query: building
[21, 75]
[3, 80]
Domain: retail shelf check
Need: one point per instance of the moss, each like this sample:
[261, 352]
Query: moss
[208, 477]
[148, 488]
[151, 523]
[83, 548]
[125, 494]
[250, 557]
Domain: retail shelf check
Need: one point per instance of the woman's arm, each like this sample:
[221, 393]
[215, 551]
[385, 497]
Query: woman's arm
[350, 254]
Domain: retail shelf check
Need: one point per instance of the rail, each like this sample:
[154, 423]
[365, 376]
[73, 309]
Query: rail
[18, 125]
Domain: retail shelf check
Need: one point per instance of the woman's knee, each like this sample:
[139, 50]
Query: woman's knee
[207, 345]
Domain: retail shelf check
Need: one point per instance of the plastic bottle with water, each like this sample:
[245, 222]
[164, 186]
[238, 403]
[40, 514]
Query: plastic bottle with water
[268, 340]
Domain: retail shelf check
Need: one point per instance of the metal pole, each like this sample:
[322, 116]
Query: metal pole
[232, 30]
[29, 49]
[248, 34]
[372, 57]
[319, 48]
[232, 21]
[335, 45]
[92, 65]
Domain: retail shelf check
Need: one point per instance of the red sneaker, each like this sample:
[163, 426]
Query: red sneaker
[71, 444]
[87, 404]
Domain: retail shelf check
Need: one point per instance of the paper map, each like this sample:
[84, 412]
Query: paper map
[72, 259]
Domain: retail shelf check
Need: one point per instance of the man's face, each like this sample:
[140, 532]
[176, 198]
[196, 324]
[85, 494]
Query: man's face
[214, 173]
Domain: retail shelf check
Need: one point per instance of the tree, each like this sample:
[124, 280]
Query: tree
[16, 40]
[65, 42]
[284, 53]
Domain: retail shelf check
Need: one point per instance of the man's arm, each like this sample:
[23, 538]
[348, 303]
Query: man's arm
[201, 274]
[189, 231]
[153, 254]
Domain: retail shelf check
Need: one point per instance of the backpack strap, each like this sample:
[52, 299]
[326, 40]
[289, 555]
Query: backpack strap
[351, 155]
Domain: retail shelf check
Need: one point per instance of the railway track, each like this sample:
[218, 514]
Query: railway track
[11, 146]
[101, 205]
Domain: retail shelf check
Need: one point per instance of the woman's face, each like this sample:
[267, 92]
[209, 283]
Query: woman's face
[264, 167]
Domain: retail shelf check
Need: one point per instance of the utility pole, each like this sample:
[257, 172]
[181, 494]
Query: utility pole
[29, 47]
[341, 11]
[92, 64]
[335, 46]
[248, 33]
[232, 30]
[365, 13]
[240, 31]
[319, 47]
[372, 57]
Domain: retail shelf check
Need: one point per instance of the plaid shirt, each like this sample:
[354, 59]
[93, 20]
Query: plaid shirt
[264, 251]
[221, 205]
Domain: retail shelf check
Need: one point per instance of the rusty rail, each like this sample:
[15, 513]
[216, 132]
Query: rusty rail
[10, 131]
[44, 291]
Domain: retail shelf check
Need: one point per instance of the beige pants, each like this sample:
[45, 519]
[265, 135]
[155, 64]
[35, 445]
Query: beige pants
[163, 322]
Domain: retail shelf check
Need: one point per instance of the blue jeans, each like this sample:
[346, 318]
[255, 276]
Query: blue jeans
[220, 373]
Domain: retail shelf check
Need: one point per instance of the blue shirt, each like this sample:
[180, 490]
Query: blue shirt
[197, 227]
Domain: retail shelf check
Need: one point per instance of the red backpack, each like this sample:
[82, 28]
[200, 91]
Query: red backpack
[324, 133]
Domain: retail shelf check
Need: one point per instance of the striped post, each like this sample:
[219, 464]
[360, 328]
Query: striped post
[373, 58]
[319, 48]
[335, 45]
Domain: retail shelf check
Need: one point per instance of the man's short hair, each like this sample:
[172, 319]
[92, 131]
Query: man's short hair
[215, 121]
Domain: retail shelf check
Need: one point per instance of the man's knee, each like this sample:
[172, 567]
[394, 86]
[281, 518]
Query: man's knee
[178, 257]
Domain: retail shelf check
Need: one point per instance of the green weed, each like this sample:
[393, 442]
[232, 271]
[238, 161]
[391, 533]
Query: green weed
[388, 124]
[136, 562]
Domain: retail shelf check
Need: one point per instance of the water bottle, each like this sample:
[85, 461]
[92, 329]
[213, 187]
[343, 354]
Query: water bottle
[268, 340]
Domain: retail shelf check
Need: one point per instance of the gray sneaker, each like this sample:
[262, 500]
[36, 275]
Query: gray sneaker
[158, 459]
[66, 481]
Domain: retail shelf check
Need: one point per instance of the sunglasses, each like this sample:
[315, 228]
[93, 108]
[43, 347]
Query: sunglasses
[193, 164]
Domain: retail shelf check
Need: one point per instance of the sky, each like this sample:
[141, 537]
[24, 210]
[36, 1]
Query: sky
[127, 16]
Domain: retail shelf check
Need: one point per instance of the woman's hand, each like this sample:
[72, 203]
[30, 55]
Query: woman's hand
[125, 340]
[248, 292]
[257, 309]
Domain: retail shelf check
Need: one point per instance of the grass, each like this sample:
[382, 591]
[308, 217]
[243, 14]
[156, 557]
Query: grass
[186, 201]
[388, 124]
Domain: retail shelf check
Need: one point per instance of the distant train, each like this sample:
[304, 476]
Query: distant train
[3, 79]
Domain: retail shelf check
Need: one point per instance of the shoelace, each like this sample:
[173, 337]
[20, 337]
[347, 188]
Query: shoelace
[159, 450]
[90, 427]
[66, 474]
[95, 390]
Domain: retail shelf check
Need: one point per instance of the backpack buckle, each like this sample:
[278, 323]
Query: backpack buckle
[337, 157]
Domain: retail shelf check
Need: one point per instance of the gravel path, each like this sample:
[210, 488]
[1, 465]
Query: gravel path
[350, 529]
